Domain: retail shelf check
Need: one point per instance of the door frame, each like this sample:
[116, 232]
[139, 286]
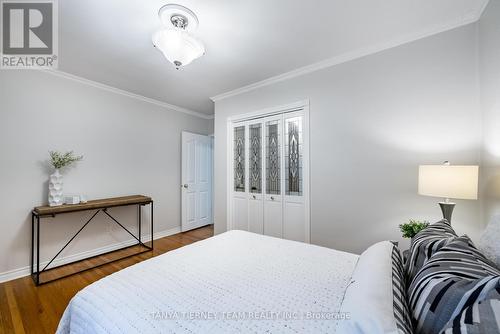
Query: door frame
[303, 106]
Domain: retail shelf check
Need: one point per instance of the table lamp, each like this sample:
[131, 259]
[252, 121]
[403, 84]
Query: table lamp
[446, 181]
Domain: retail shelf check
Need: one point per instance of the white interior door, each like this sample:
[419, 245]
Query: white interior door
[240, 185]
[269, 173]
[255, 177]
[196, 181]
[294, 209]
[274, 172]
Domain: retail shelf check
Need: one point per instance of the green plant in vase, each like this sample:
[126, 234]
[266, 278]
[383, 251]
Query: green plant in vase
[59, 160]
[411, 229]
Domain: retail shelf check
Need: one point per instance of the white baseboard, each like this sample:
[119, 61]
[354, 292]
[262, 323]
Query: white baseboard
[25, 271]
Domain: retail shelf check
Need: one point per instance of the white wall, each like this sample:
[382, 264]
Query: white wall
[130, 147]
[373, 121]
[489, 51]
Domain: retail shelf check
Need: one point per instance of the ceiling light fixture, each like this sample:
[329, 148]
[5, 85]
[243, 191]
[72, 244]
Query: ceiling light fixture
[175, 41]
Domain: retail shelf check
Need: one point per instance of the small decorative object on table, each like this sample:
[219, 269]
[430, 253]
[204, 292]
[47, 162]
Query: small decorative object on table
[71, 199]
[411, 229]
[59, 160]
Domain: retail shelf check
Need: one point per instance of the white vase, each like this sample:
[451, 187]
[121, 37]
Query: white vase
[55, 189]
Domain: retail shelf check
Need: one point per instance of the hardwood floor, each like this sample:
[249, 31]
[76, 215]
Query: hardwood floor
[25, 308]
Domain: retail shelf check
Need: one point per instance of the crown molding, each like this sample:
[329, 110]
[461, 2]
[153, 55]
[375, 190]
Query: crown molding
[481, 11]
[119, 91]
[356, 54]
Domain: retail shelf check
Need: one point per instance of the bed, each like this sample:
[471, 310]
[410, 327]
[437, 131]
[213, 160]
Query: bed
[241, 282]
[218, 285]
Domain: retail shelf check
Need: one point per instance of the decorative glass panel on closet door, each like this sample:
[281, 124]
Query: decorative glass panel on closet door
[239, 158]
[273, 161]
[255, 158]
[293, 156]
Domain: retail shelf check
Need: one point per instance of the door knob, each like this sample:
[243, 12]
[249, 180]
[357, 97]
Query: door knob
[254, 197]
[185, 185]
[272, 198]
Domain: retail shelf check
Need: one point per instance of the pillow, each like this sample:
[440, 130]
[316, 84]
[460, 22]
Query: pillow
[480, 317]
[425, 244]
[454, 277]
[401, 309]
[375, 301]
[488, 243]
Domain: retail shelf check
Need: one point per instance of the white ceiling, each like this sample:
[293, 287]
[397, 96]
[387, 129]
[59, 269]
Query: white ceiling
[246, 40]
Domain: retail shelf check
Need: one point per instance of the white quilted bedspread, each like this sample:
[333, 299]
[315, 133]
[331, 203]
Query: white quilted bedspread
[236, 282]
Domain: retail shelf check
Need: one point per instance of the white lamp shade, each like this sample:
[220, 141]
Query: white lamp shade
[178, 46]
[444, 181]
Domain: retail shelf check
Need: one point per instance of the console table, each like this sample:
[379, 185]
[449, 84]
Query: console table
[100, 205]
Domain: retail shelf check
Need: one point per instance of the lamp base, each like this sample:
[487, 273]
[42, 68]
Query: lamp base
[447, 210]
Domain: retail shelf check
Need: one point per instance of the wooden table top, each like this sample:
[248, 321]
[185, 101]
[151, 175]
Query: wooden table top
[92, 205]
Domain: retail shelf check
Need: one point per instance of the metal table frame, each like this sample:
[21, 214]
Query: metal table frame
[35, 217]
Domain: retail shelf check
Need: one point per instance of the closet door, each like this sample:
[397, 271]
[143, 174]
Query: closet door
[255, 177]
[273, 199]
[240, 185]
[294, 227]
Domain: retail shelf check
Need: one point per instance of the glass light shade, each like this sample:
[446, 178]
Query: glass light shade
[458, 182]
[178, 46]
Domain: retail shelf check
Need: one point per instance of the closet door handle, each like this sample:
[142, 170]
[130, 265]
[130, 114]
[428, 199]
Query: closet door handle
[272, 198]
[254, 197]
